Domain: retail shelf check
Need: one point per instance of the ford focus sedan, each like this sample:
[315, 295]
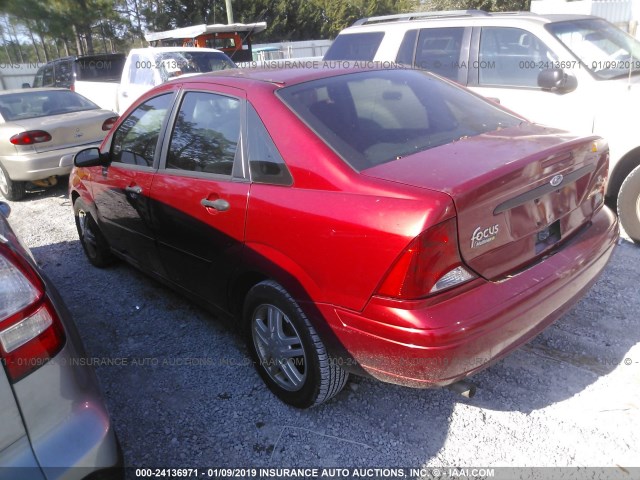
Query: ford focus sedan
[40, 131]
[377, 222]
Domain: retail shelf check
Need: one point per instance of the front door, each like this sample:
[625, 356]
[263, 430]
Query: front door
[122, 189]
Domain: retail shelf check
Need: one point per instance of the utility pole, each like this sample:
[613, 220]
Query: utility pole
[229, 12]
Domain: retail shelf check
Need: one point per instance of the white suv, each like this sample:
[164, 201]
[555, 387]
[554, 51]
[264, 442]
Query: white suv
[576, 72]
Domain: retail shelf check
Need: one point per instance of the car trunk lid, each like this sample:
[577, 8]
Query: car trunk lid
[518, 192]
[68, 129]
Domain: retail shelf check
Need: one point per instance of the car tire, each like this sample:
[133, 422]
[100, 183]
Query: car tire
[94, 244]
[304, 376]
[10, 189]
[629, 205]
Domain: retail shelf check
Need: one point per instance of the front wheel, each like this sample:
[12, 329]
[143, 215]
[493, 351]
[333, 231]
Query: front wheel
[287, 351]
[94, 244]
[629, 205]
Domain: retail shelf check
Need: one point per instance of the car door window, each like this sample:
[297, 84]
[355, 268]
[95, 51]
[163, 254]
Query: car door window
[265, 162]
[206, 134]
[438, 50]
[511, 57]
[135, 141]
[47, 79]
[64, 74]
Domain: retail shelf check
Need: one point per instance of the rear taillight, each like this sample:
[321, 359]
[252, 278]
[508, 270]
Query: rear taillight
[109, 123]
[30, 137]
[30, 331]
[430, 264]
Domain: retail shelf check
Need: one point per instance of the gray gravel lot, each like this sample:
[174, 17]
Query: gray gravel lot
[189, 397]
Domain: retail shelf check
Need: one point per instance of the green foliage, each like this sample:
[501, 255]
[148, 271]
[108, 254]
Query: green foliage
[54, 27]
[487, 5]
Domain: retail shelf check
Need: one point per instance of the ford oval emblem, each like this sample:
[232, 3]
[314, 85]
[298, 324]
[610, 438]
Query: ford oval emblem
[556, 180]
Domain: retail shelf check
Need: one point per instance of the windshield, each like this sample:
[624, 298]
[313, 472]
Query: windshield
[19, 106]
[374, 117]
[604, 49]
[174, 64]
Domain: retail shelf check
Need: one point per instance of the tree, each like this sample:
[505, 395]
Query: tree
[487, 5]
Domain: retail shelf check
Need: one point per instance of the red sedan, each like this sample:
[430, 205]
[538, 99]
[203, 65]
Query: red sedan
[378, 222]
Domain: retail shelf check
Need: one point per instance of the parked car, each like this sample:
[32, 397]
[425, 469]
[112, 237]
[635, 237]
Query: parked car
[575, 72]
[54, 421]
[145, 68]
[40, 131]
[381, 222]
[66, 72]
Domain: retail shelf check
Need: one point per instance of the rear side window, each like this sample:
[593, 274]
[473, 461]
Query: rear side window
[64, 74]
[355, 46]
[265, 162]
[47, 77]
[438, 50]
[206, 134]
[374, 117]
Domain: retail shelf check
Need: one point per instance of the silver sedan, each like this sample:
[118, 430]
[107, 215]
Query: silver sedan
[40, 131]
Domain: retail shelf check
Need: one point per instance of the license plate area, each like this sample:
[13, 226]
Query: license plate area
[548, 237]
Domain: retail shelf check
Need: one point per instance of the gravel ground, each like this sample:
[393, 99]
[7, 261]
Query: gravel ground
[189, 397]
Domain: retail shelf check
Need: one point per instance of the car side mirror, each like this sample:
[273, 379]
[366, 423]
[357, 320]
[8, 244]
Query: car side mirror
[90, 157]
[556, 80]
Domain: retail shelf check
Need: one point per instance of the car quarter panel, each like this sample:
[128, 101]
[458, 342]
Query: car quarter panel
[426, 344]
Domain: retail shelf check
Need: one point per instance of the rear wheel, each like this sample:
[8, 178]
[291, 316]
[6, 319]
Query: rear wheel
[94, 244]
[11, 190]
[629, 205]
[287, 351]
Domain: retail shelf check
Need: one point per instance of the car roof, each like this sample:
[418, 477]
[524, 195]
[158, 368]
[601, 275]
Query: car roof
[241, 77]
[458, 17]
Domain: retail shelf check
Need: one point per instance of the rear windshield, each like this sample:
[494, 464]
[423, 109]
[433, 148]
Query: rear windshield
[355, 46]
[174, 64]
[374, 117]
[30, 104]
[98, 68]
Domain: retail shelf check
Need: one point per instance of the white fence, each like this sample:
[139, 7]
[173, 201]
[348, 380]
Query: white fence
[14, 75]
[285, 50]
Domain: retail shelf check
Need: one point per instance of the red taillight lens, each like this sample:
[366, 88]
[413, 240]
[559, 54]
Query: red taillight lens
[108, 123]
[30, 331]
[30, 137]
[430, 264]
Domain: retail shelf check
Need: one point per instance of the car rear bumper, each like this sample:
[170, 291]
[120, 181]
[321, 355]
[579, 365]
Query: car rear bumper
[36, 166]
[425, 344]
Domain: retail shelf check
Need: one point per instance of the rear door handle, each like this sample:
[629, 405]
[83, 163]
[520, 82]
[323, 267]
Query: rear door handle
[219, 204]
[134, 189]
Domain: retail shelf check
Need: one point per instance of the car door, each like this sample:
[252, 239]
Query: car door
[440, 50]
[122, 189]
[506, 62]
[201, 191]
